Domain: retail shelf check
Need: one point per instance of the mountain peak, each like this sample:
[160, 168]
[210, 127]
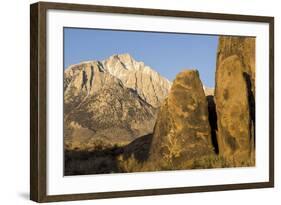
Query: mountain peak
[147, 83]
[125, 56]
[150, 85]
[123, 61]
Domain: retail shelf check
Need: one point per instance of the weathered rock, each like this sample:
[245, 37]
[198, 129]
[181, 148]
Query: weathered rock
[234, 99]
[182, 132]
[244, 48]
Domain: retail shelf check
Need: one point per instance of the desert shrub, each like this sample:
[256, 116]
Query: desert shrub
[129, 164]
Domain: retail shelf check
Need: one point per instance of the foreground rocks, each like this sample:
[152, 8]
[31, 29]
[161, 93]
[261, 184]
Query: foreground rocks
[235, 99]
[182, 132]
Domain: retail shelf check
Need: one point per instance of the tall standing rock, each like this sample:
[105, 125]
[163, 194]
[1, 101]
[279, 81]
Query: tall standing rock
[182, 132]
[235, 99]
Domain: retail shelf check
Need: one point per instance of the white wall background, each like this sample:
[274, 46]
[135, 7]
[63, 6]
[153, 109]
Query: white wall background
[14, 102]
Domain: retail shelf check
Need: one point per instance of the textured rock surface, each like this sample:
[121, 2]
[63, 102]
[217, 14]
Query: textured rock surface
[110, 102]
[234, 98]
[182, 131]
[244, 48]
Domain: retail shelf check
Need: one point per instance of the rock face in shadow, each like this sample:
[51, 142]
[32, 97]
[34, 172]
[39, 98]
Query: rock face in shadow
[235, 99]
[182, 132]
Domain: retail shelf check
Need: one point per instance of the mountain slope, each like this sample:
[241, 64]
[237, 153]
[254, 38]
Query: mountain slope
[110, 102]
[148, 84]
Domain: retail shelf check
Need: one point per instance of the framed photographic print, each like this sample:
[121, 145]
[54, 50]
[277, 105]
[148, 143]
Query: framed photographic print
[134, 102]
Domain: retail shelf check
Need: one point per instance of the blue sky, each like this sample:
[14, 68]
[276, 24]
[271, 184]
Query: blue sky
[167, 53]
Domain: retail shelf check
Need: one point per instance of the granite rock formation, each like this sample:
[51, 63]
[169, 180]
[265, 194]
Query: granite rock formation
[235, 99]
[182, 132]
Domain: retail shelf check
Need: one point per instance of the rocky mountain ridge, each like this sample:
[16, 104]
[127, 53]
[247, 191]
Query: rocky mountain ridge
[147, 83]
[110, 102]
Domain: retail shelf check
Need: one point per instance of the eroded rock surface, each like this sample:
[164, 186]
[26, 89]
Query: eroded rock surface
[235, 99]
[182, 132]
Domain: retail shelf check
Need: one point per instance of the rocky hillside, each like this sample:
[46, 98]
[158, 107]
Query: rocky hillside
[110, 102]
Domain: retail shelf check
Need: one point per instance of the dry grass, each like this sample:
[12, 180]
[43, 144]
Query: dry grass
[217, 161]
[134, 157]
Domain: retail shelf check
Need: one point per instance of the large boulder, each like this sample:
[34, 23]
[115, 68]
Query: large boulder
[182, 132]
[235, 99]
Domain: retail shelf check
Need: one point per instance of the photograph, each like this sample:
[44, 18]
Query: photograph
[132, 101]
[143, 101]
